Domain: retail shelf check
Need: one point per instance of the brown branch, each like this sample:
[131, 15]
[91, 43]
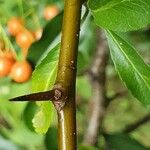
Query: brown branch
[137, 124]
[97, 76]
[4, 123]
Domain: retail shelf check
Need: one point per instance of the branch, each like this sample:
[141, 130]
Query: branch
[97, 76]
[66, 75]
[137, 124]
[4, 123]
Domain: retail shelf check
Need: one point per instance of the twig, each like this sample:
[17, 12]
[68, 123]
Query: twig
[137, 124]
[97, 76]
[4, 123]
[66, 75]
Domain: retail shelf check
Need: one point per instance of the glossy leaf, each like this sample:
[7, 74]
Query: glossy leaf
[51, 31]
[86, 48]
[124, 142]
[43, 79]
[132, 69]
[121, 15]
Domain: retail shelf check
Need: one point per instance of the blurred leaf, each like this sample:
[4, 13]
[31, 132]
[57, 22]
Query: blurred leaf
[29, 113]
[51, 139]
[50, 32]
[131, 67]
[9, 89]
[83, 87]
[25, 138]
[43, 79]
[5, 88]
[7, 145]
[123, 142]
[10, 8]
[18, 89]
[121, 15]
[83, 147]
[86, 48]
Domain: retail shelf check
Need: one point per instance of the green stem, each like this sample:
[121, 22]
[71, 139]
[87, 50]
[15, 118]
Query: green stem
[7, 42]
[20, 5]
[66, 76]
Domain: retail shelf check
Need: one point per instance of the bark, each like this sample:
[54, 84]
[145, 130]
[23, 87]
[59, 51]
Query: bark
[97, 75]
[66, 76]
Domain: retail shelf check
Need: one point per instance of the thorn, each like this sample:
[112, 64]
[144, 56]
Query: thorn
[41, 96]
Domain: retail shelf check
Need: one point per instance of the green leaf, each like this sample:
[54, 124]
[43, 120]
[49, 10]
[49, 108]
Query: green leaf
[83, 147]
[123, 142]
[50, 139]
[86, 48]
[84, 87]
[121, 15]
[29, 113]
[18, 89]
[5, 89]
[132, 69]
[51, 31]
[43, 79]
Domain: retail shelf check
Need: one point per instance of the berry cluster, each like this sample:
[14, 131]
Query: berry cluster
[20, 71]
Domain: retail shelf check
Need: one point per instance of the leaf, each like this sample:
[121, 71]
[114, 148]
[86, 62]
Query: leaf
[50, 139]
[5, 89]
[43, 79]
[18, 89]
[132, 69]
[7, 144]
[124, 142]
[84, 87]
[28, 114]
[121, 15]
[86, 48]
[83, 147]
[50, 32]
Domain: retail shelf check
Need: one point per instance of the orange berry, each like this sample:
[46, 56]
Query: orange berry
[38, 34]
[5, 66]
[2, 45]
[50, 12]
[25, 52]
[21, 71]
[14, 26]
[24, 39]
[9, 55]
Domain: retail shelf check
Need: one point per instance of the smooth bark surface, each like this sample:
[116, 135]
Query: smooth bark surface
[66, 77]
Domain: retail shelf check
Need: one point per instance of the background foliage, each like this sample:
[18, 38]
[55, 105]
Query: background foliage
[17, 119]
